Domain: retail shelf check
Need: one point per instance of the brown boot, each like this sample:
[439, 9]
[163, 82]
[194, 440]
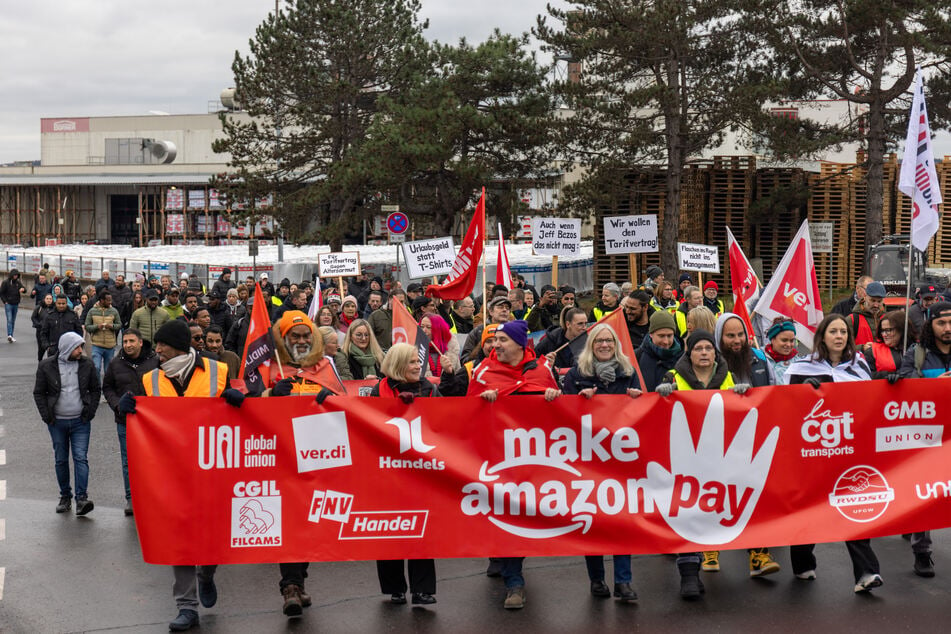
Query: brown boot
[292, 600]
[304, 598]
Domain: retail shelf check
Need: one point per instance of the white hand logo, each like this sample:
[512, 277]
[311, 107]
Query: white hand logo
[709, 494]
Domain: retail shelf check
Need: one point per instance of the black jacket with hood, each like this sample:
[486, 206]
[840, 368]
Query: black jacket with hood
[47, 388]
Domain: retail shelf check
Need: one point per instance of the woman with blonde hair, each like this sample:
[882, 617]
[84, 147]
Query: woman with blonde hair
[364, 354]
[603, 369]
[701, 318]
[403, 379]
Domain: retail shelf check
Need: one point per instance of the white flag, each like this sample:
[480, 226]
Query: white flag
[316, 302]
[918, 179]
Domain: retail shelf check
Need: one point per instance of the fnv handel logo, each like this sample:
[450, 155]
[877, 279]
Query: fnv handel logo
[411, 440]
[335, 506]
[321, 441]
[256, 514]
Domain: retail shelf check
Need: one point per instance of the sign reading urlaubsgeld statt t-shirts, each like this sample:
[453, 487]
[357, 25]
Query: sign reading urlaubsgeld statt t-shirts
[425, 258]
[630, 234]
[698, 257]
[556, 236]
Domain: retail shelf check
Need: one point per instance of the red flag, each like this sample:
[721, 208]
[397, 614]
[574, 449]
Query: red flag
[743, 279]
[406, 330]
[618, 324]
[324, 374]
[503, 273]
[465, 269]
[258, 347]
[793, 291]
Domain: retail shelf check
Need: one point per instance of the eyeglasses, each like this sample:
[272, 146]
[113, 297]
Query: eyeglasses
[885, 331]
[599, 342]
[196, 337]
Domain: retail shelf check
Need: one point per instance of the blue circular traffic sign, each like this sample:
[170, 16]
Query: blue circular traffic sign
[397, 222]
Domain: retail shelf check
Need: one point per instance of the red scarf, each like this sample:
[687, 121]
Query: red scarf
[530, 375]
[775, 356]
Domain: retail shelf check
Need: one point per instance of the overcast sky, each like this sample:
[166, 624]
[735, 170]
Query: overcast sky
[73, 58]
[70, 58]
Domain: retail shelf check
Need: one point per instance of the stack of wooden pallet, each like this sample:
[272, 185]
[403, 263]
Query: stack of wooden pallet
[729, 196]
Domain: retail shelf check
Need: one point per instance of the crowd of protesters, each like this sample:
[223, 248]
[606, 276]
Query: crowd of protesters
[155, 337]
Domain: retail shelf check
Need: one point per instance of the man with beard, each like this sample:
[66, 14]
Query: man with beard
[215, 344]
[499, 312]
[747, 366]
[637, 314]
[300, 349]
[183, 372]
[561, 346]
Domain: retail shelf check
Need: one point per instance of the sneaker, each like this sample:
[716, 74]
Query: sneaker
[808, 575]
[711, 561]
[186, 620]
[398, 598]
[292, 602]
[423, 598]
[10, 339]
[65, 503]
[128, 508]
[515, 598]
[924, 565]
[868, 581]
[84, 505]
[600, 589]
[207, 592]
[762, 563]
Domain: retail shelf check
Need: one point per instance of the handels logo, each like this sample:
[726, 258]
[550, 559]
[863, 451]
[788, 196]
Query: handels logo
[256, 514]
[321, 441]
[411, 439]
[828, 430]
[861, 494]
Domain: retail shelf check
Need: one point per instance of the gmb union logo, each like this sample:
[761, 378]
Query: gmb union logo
[861, 494]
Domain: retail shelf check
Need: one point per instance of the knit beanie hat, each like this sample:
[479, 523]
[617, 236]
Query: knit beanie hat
[662, 319]
[516, 330]
[696, 337]
[175, 333]
[711, 284]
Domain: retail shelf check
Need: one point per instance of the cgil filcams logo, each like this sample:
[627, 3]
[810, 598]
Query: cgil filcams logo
[861, 494]
[256, 514]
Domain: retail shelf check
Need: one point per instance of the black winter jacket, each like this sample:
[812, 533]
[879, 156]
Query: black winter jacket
[55, 324]
[575, 382]
[125, 375]
[47, 388]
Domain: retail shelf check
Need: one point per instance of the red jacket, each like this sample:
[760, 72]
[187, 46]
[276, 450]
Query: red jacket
[531, 375]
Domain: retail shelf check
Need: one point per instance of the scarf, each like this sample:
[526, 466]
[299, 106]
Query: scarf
[365, 359]
[775, 356]
[607, 371]
[177, 368]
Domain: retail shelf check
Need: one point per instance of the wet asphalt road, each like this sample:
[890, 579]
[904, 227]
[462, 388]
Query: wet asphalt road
[69, 574]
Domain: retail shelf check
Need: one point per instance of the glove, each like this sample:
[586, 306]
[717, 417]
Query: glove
[665, 389]
[740, 388]
[233, 397]
[284, 387]
[322, 395]
[407, 397]
[813, 381]
[126, 404]
[892, 378]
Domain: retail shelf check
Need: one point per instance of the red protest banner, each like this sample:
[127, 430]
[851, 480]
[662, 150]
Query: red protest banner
[285, 479]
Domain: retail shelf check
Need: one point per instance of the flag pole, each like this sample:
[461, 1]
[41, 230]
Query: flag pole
[485, 300]
[911, 255]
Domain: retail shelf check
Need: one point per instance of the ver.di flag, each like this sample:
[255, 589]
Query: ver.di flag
[462, 278]
[918, 179]
[258, 347]
[793, 291]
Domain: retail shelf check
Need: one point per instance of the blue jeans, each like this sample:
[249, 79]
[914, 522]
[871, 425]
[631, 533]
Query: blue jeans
[512, 572]
[71, 434]
[101, 358]
[622, 568]
[11, 311]
[125, 461]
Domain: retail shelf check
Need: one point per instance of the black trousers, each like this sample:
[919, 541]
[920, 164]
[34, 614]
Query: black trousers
[422, 576]
[863, 558]
[293, 573]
